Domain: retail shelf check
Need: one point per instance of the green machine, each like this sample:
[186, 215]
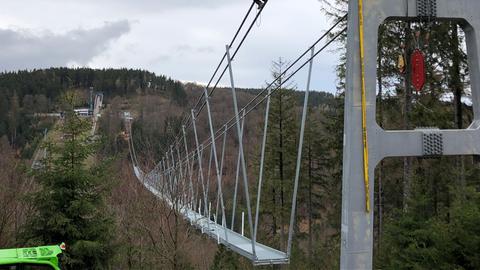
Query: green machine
[34, 258]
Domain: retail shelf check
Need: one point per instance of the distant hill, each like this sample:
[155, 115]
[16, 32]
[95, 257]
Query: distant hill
[23, 93]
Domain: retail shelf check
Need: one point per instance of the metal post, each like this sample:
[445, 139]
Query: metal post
[169, 186]
[221, 174]
[209, 210]
[199, 157]
[200, 206]
[198, 177]
[133, 146]
[159, 176]
[182, 180]
[179, 162]
[243, 221]
[240, 145]
[173, 196]
[237, 175]
[214, 149]
[299, 157]
[262, 163]
[190, 173]
[208, 178]
[164, 177]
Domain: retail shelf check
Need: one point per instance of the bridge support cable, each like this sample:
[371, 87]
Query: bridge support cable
[207, 192]
[233, 55]
[262, 163]
[173, 191]
[222, 159]
[181, 180]
[299, 156]
[224, 55]
[249, 107]
[237, 175]
[132, 153]
[240, 146]
[200, 166]
[231, 122]
[296, 61]
[199, 180]
[263, 95]
[187, 119]
[174, 176]
[166, 178]
[170, 175]
[190, 169]
[217, 166]
[181, 165]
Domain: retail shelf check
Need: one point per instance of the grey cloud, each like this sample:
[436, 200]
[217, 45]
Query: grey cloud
[185, 48]
[206, 49]
[160, 59]
[24, 49]
[156, 5]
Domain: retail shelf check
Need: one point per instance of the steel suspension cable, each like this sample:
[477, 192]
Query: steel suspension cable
[187, 122]
[225, 54]
[230, 123]
[326, 34]
[187, 119]
[232, 58]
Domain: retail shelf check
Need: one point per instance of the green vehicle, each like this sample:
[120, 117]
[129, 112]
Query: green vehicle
[35, 258]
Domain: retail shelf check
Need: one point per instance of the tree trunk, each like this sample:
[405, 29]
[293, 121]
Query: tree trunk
[310, 206]
[281, 168]
[407, 161]
[175, 242]
[456, 85]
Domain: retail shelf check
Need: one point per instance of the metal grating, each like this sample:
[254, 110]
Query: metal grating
[427, 8]
[432, 143]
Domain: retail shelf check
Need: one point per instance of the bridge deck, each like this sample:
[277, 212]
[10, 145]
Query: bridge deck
[240, 244]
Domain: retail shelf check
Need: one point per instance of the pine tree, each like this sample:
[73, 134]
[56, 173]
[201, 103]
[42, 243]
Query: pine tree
[313, 176]
[13, 118]
[280, 155]
[70, 204]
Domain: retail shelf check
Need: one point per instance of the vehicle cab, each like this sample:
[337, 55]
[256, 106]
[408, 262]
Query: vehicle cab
[34, 258]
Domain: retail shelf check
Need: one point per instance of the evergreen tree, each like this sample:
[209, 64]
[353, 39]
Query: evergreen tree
[225, 259]
[70, 203]
[280, 155]
[13, 118]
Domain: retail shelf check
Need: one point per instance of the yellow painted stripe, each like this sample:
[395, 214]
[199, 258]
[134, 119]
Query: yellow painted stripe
[364, 108]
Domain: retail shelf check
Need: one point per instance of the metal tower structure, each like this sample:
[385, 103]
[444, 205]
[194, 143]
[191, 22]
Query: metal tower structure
[357, 221]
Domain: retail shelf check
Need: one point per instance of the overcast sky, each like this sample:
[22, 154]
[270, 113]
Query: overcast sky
[183, 39]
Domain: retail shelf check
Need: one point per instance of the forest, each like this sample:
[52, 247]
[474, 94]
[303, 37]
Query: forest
[427, 210]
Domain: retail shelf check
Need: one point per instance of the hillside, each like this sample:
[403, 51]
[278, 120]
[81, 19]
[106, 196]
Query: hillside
[25, 93]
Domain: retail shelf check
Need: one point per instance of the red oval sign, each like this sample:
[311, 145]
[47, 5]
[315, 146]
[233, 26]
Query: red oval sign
[418, 70]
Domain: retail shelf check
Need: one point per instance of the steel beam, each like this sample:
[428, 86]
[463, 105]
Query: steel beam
[357, 224]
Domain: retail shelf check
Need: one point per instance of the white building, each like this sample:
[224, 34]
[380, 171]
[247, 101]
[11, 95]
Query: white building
[85, 112]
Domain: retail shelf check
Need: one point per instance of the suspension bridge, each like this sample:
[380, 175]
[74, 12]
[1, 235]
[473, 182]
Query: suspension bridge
[182, 177]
